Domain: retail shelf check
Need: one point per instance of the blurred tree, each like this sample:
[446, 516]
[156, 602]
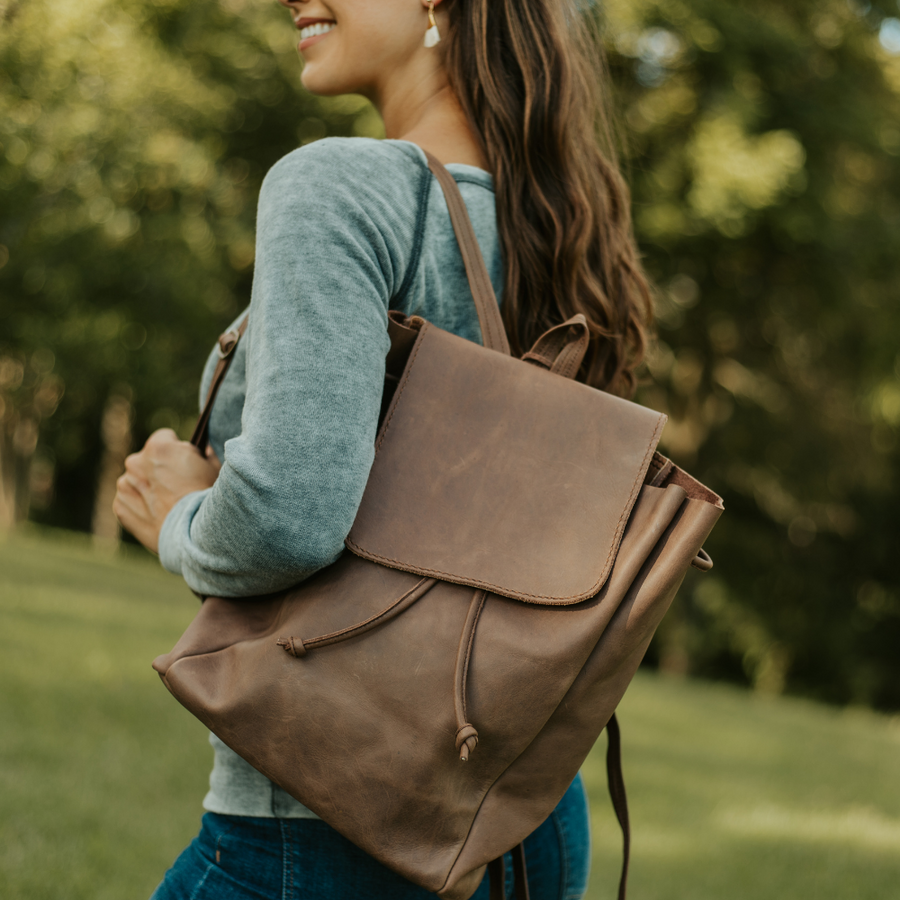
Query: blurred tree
[763, 144]
[134, 140]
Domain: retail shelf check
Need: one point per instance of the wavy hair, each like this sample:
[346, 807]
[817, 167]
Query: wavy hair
[530, 76]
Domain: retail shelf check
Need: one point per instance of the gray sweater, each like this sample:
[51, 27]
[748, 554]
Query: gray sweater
[347, 229]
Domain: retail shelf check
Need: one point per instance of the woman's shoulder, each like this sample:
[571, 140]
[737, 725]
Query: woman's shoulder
[352, 198]
[350, 167]
[379, 191]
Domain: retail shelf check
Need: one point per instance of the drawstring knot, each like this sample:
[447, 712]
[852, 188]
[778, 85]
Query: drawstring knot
[293, 645]
[466, 735]
[466, 740]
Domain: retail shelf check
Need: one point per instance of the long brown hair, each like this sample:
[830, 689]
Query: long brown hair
[530, 77]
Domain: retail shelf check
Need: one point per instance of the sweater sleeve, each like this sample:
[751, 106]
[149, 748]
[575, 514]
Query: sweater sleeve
[336, 237]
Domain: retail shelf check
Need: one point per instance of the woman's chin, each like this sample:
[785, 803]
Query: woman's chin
[317, 81]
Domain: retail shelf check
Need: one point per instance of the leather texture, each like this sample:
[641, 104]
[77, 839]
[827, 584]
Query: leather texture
[433, 693]
[535, 490]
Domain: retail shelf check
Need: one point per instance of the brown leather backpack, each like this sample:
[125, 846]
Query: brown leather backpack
[433, 693]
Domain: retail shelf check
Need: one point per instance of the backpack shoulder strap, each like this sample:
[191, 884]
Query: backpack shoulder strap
[227, 343]
[492, 328]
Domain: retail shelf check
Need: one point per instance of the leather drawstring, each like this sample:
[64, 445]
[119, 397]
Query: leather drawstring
[466, 735]
[298, 647]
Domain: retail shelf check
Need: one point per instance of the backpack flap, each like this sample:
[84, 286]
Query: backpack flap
[500, 475]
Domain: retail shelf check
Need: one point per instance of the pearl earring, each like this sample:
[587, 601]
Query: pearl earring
[432, 35]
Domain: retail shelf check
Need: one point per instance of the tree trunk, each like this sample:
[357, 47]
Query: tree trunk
[115, 429]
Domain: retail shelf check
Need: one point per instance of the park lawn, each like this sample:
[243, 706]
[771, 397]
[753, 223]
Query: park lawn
[733, 797]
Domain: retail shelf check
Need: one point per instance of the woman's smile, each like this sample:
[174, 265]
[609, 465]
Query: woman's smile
[312, 31]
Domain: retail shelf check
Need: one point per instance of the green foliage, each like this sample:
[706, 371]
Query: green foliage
[135, 137]
[763, 146]
[102, 772]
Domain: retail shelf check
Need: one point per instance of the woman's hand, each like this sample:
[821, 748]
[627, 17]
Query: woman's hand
[155, 479]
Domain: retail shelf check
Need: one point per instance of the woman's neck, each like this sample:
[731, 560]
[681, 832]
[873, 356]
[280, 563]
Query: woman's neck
[434, 120]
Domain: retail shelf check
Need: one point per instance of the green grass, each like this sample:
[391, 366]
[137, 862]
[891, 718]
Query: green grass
[102, 772]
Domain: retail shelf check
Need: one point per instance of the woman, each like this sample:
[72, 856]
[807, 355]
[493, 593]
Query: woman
[506, 97]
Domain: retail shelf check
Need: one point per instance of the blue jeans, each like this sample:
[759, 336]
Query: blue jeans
[243, 858]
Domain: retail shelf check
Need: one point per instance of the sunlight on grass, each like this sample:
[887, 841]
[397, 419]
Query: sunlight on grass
[101, 773]
[737, 796]
[733, 797]
[862, 827]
